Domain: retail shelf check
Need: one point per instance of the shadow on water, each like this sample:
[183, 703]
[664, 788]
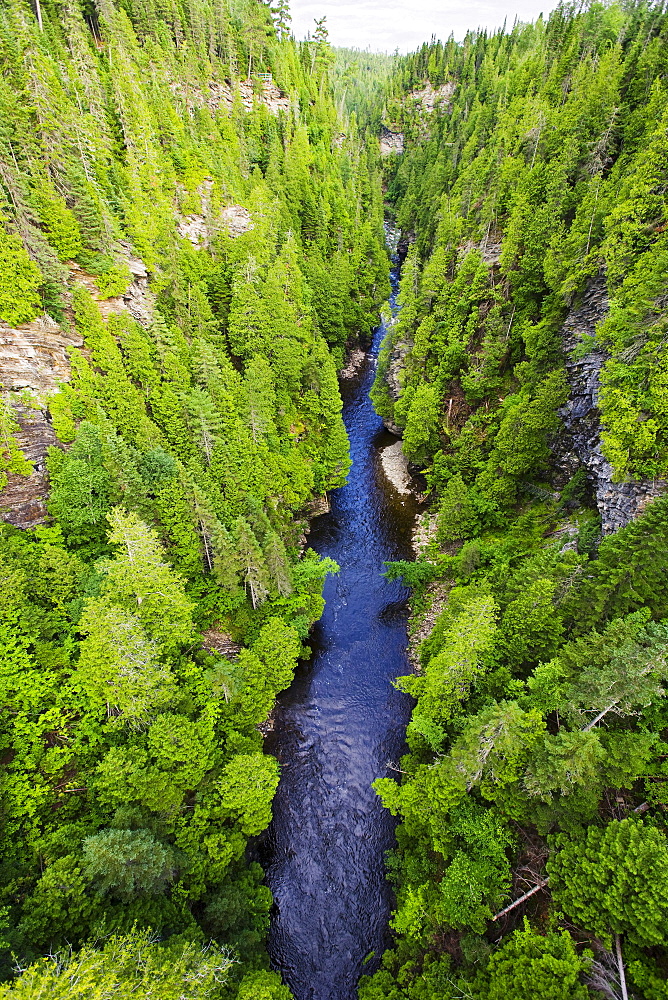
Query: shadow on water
[339, 725]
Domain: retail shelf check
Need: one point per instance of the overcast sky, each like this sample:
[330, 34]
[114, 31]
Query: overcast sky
[385, 25]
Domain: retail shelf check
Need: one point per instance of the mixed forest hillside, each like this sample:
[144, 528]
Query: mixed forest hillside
[190, 237]
[191, 208]
[526, 373]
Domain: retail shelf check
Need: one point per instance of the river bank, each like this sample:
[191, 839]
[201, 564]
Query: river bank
[341, 723]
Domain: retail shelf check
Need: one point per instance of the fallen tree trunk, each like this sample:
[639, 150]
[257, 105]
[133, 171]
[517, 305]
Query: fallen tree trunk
[527, 895]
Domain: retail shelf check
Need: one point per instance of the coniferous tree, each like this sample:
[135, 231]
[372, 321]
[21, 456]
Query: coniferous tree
[251, 562]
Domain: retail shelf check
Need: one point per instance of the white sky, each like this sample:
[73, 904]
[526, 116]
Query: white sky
[384, 25]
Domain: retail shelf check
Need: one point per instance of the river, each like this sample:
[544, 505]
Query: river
[339, 725]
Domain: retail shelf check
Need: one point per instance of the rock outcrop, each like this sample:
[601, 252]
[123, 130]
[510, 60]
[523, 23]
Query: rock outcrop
[215, 640]
[23, 500]
[398, 353]
[236, 219]
[222, 95]
[395, 467]
[399, 349]
[274, 98]
[34, 362]
[35, 356]
[579, 444]
[427, 100]
[200, 228]
[490, 248]
[391, 142]
[430, 98]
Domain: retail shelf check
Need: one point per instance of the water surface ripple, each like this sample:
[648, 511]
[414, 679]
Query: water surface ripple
[339, 725]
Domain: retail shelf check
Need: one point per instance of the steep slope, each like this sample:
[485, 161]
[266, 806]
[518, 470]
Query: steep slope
[525, 374]
[189, 241]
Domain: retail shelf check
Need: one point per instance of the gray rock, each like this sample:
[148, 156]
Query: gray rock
[579, 443]
[391, 142]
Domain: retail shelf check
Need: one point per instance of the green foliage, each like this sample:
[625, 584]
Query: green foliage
[114, 281]
[533, 966]
[534, 179]
[531, 628]
[133, 772]
[139, 579]
[521, 440]
[202, 417]
[12, 459]
[421, 418]
[457, 514]
[618, 670]
[247, 788]
[60, 224]
[465, 635]
[21, 281]
[127, 863]
[358, 78]
[627, 574]
[477, 879]
[613, 880]
[263, 986]
[119, 664]
[125, 967]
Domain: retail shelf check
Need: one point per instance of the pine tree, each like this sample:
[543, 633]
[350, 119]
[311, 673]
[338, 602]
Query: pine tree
[227, 564]
[251, 562]
[119, 664]
[205, 420]
[127, 863]
[282, 18]
[613, 880]
[139, 578]
[260, 398]
[278, 564]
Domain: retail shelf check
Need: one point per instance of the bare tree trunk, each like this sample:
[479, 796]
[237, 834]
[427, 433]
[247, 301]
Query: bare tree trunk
[207, 552]
[590, 725]
[527, 895]
[38, 11]
[593, 215]
[620, 966]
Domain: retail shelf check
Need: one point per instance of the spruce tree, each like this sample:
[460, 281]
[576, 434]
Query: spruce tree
[251, 561]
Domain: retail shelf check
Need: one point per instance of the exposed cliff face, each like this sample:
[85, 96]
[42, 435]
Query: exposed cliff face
[430, 98]
[391, 142]
[579, 444]
[426, 101]
[222, 95]
[35, 356]
[34, 362]
[23, 500]
[201, 228]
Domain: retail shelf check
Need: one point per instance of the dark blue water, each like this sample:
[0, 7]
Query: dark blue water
[339, 725]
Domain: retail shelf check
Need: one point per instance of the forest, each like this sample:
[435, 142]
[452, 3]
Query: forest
[527, 373]
[190, 238]
[191, 241]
